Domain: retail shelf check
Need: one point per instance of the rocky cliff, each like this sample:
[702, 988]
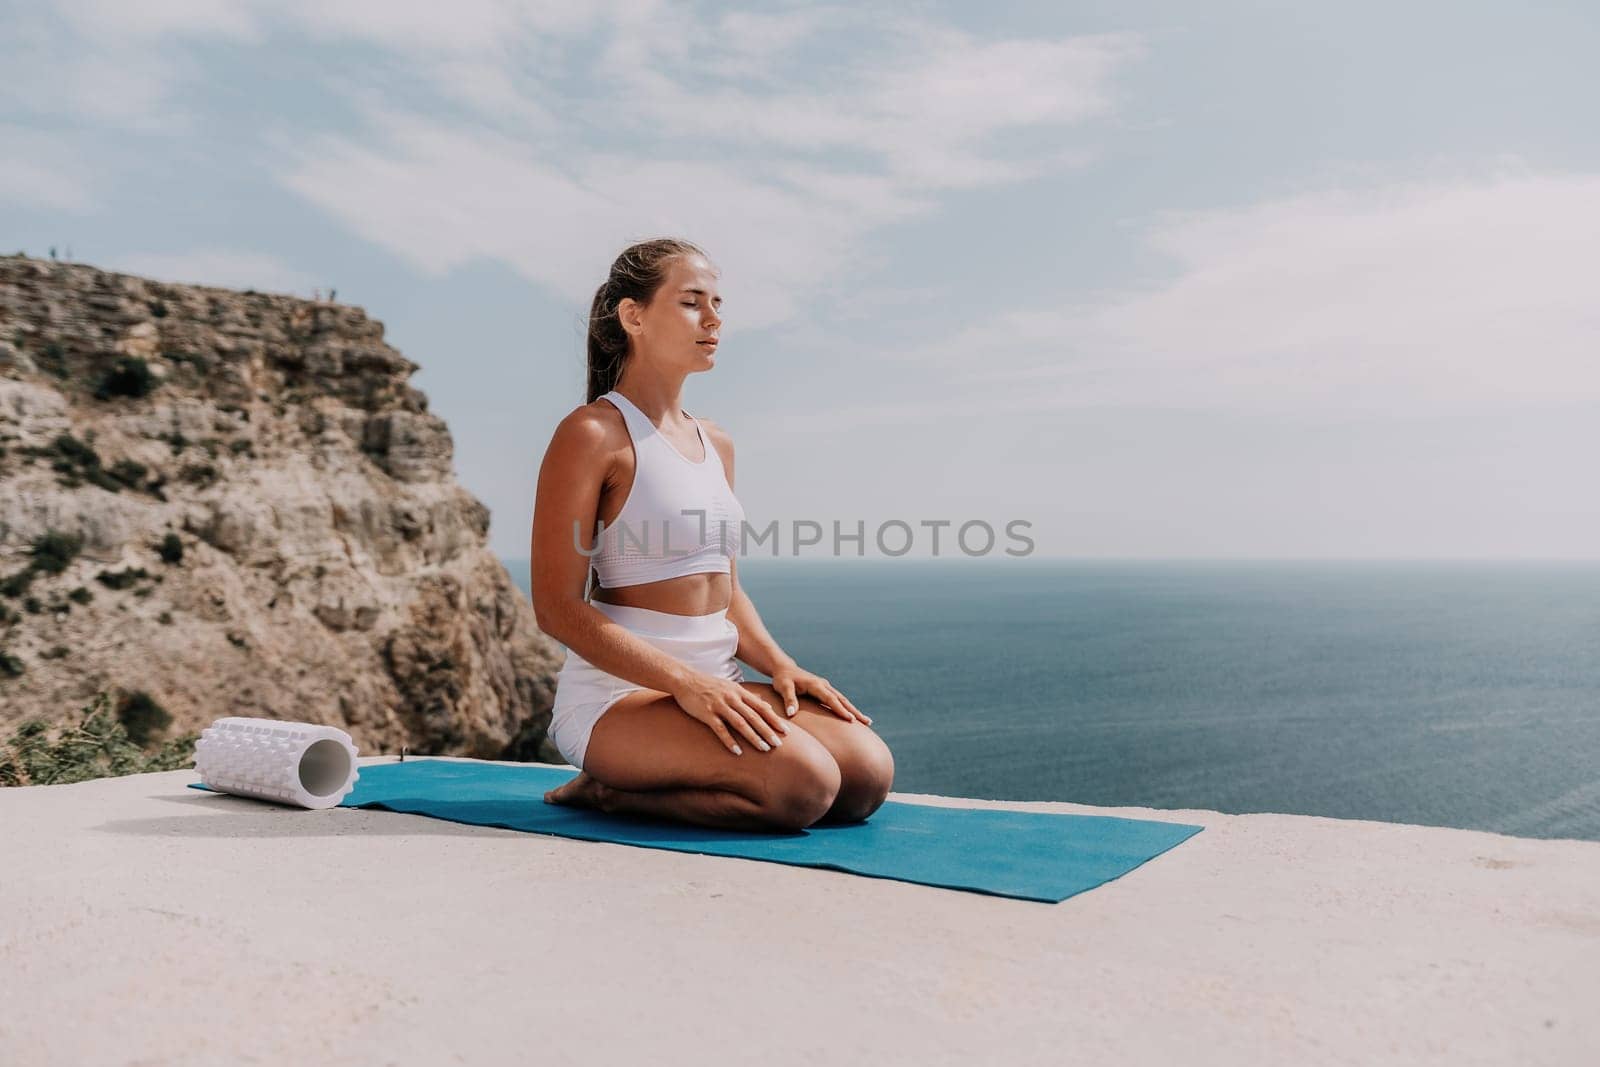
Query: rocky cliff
[222, 503]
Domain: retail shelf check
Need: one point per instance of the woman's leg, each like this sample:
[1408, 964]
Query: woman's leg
[866, 766]
[646, 756]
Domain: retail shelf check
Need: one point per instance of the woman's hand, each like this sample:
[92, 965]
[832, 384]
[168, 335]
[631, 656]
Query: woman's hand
[791, 680]
[721, 703]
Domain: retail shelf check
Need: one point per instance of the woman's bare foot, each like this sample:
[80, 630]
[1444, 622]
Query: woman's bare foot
[581, 792]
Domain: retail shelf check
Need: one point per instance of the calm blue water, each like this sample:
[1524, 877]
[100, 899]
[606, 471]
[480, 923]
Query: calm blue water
[1450, 694]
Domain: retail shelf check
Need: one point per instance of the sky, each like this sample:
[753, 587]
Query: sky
[1234, 280]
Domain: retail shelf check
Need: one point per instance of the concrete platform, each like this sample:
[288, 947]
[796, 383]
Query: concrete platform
[147, 923]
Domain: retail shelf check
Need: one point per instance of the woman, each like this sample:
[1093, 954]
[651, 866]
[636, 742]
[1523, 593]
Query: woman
[650, 704]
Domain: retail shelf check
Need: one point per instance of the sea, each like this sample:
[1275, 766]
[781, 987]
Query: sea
[1462, 694]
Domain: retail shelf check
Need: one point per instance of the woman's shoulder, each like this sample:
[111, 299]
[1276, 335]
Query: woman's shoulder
[595, 425]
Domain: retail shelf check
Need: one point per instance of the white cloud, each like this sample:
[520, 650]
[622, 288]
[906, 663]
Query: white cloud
[440, 197]
[220, 267]
[1403, 299]
[103, 61]
[920, 101]
[751, 44]
[43, 170]
[150, 19]
[781, 182]
[529, 130]
[112, 62]
[463, 27]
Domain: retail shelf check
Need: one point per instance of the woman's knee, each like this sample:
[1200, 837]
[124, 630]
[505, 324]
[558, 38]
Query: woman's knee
[867, 775]
[804, 784]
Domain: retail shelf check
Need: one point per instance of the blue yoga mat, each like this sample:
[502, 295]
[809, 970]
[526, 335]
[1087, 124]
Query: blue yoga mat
[1028, 855]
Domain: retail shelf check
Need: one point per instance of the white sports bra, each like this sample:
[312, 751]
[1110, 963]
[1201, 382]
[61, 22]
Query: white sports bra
[652, 539]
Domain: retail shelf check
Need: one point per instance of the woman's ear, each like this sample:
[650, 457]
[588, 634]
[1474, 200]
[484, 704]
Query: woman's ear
[631, 314]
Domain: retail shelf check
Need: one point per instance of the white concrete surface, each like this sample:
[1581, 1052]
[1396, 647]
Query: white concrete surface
[147, 923]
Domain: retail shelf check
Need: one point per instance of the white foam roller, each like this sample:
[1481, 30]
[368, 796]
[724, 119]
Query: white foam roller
[297, 763]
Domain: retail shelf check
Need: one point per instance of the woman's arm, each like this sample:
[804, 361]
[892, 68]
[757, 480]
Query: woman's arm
[757, 647]
[566, 504]
[760, 650]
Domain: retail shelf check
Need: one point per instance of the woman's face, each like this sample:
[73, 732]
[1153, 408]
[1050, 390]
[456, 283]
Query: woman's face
[679, 327]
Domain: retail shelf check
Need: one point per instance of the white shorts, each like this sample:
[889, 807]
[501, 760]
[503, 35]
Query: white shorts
[584, 691]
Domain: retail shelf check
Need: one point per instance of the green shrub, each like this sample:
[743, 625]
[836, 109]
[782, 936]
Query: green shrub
[14, 585]
[54, 359]
[129, 472]
[171, 549]
[75, 451]
[50, 553]
[201, 362]
[80, 595]
[128, 376]
[54, 552]
[10, 666]
[97, 746]
[96, 476]
[77, 462]
[121, 579]
[142, 717]
[200, 474]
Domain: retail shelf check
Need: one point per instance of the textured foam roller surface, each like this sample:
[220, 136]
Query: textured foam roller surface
[1026, 854]
[298, 763]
